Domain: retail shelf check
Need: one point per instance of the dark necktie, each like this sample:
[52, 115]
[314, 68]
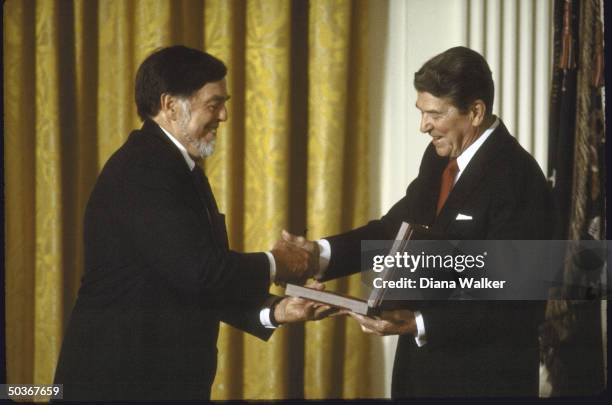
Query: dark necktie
[448, 177]
[203, 186]
[215, 219]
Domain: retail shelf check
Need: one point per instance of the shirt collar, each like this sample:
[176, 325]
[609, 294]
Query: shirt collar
[468, 154]
[190, 162]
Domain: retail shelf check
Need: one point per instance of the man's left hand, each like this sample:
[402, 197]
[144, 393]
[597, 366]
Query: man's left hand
[293, 309]
[395, 322]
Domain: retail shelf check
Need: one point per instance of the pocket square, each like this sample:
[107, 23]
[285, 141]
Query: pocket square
[462, 217]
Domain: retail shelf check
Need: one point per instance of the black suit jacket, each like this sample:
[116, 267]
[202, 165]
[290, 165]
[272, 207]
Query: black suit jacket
[158, 279]
[473, 348]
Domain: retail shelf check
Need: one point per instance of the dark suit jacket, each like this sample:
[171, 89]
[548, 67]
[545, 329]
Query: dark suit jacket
[158, 279]
[473, 348]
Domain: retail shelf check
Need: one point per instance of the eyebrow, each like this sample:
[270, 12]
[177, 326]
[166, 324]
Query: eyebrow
[219, 98]
[427, 111]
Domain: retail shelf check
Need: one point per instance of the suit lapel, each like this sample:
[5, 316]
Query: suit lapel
[214, 217]
[171, 158]
[472, 176]
[431, 175]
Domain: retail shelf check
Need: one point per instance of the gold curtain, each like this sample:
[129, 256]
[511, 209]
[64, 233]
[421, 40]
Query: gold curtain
[293, 155]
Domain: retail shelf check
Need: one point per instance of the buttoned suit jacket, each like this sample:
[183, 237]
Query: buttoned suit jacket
[158, 279]
[473, 348]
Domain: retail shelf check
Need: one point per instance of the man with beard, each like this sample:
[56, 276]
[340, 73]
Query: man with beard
[159, 275]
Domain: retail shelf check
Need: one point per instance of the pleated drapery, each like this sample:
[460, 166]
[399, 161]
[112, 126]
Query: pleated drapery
[574, 337]
[293, 155]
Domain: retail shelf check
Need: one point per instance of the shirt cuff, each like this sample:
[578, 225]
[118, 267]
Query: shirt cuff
[272, 266]
[421, 337]
[264, 318]
[324, 257]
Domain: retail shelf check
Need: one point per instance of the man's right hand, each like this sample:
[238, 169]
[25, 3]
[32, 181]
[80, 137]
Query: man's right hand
[297, 259]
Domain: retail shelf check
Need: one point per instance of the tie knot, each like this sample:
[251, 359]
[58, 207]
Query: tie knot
[451, 169]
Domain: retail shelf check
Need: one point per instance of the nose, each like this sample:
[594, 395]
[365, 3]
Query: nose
[223, 113]
[426, 125]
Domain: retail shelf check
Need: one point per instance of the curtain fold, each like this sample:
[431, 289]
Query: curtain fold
[19, 168]
[328, 57]
[49, 115]
[84, 156]
[224, 37]
[293, 155]
[335, 180]
[267, 82]
[116, 69]
[361, 384]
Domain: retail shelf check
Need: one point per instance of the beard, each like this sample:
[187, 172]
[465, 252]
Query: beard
[206, 148]
[203, 147]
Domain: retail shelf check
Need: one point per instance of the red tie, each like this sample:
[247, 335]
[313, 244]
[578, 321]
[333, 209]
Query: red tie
[448, 177]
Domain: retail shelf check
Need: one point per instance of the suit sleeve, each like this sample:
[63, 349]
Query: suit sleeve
[167, 231]
[247, 318]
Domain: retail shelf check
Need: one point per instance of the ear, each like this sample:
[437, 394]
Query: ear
[168, 106]
[478, 111]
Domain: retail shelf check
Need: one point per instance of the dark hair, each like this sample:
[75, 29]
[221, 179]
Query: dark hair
[459, 74]
[175, 70]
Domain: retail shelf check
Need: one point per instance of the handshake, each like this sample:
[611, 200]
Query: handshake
[297, 259]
